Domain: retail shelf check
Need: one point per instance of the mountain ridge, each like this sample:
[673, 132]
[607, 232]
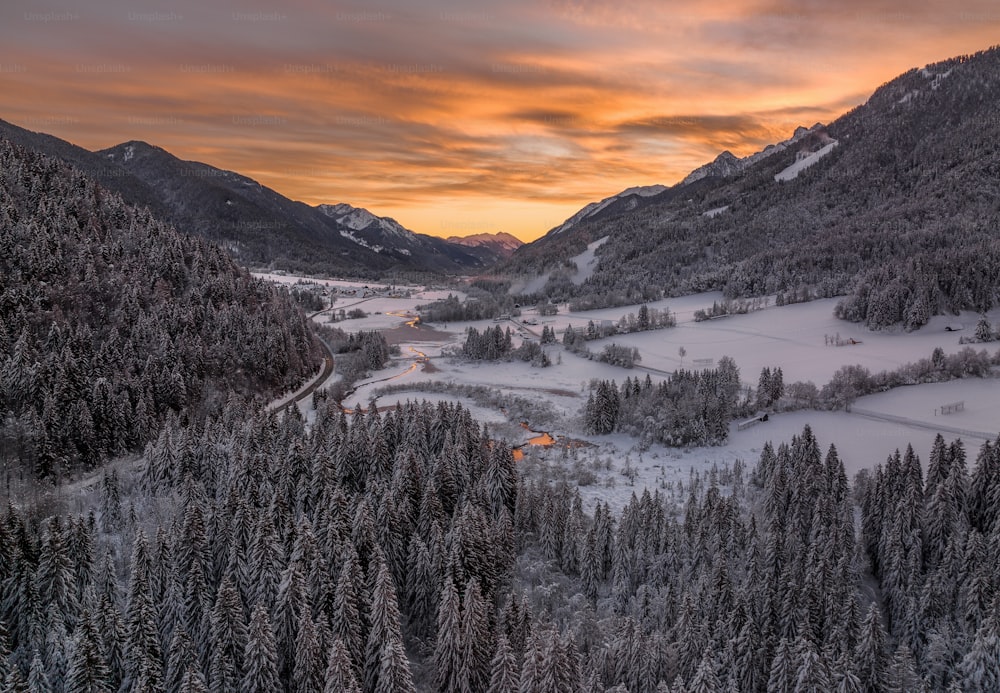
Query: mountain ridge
[899, 217]
[254, 223]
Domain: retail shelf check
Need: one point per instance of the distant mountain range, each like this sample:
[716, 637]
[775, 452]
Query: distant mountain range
[256, 224]
[894, 205]
[489, 245]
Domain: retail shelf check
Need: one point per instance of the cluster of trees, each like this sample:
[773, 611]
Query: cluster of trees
[357, 354]
[479, 305]
[619, 355]
[343, 314]
[933, 543]
[956, 278]
[646, 319]
[576, 340]
[729, 306]
[689, 408]
[110, 320]
[492, 344]
[495, 343]
[370, 346]
[770, 387]
[311, 299]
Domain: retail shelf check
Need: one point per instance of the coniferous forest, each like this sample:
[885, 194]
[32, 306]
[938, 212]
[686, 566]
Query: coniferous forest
[110, 320]
[187, 533]
[401, 551]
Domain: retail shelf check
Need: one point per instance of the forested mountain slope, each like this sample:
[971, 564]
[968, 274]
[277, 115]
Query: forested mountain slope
[111, 320]
[254, 223]
[901, 214]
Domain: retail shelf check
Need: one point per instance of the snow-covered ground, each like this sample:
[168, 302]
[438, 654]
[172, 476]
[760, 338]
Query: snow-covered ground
[793, 171]
[924, 404]
[586, 262]
[792, 337]
[861, 443]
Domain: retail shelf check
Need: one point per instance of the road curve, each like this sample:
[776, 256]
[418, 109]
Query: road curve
[327, 371]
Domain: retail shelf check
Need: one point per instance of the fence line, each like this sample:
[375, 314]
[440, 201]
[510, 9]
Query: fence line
[923, 424]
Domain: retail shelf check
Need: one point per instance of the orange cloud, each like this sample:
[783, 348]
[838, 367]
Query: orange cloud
[475, 116]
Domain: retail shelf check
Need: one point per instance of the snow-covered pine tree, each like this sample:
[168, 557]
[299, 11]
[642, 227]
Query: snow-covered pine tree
[340, 671]
[261, 655]
[308, 672]
[228, 640]
[385, 659]
[477, 640]
[448, 647]
[504, 674]
[88, 672]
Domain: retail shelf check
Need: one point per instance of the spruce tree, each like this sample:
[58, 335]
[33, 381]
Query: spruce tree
[394, 670]
[88, 672]
[783, 669]
[228, 640]
[448, 648]
[261, 655]
[476, 640]
[504, 675]
[869, 657]
[979, 670]
[38, 680]
[307, 674]
[385, 659]
[291, 604]
[340, 671]
[193, 682]
[705, 679]
[346, 622]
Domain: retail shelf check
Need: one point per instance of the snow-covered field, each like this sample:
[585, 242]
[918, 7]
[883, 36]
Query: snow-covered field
[791, 337]
[924, 404]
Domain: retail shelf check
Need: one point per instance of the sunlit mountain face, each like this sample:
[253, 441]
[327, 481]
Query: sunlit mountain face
[461, 118]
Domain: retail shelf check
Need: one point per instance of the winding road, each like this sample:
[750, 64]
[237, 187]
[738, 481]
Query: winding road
[318, 382]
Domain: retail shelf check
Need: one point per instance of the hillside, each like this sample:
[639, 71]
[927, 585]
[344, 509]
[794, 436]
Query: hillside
[111, 322]
[388, 237]
[254, 223]
[899, 214]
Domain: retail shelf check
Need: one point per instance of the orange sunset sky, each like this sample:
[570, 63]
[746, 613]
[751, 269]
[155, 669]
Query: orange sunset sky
[462, 117]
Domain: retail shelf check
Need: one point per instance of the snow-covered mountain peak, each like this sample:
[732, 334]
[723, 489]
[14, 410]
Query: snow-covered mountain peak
[727, 164]
[358, 219]
[643, 190]
[595, 207]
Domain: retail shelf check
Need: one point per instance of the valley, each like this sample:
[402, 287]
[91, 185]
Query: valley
[740, 432]
[798, 338]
